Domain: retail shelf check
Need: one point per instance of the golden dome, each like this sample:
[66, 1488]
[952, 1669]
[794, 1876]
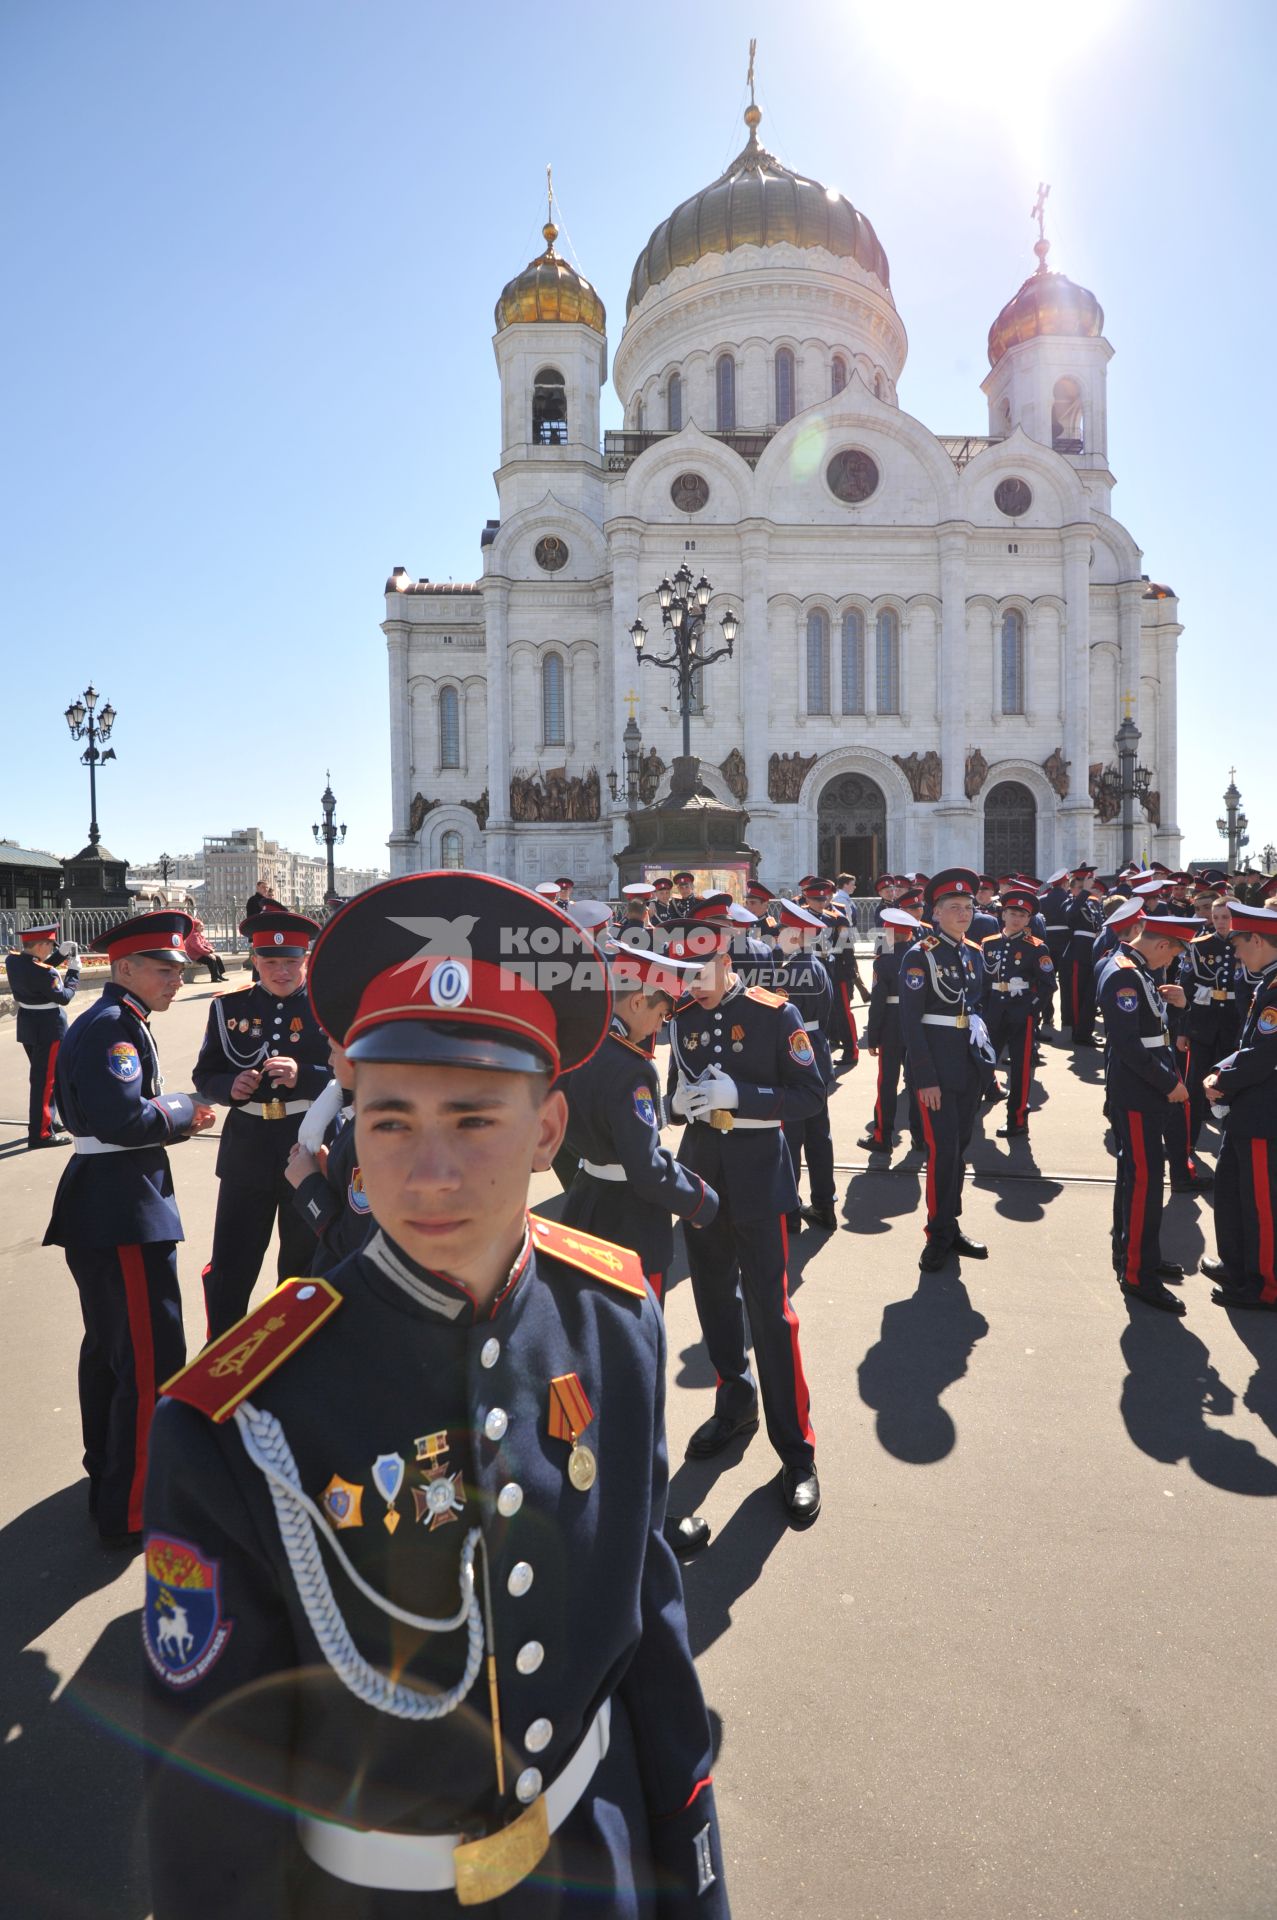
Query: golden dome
[757, 202]
[550, 289]
[1047, 303]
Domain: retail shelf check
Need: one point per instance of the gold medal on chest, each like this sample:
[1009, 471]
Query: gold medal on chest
[583, 1468]
[570, 1414]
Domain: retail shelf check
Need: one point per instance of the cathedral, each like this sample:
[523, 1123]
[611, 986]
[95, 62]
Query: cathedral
[937, 637]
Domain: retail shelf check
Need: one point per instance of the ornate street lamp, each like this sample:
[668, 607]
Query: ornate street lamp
[330, 834]
[683, 607]
[1234, 825]
[86, 723]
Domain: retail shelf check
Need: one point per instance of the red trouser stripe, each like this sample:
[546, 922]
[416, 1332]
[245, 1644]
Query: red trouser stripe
[1026, 1075]
[1139, 1199]
[656, 1281]
[1264, 1208]
[46, 1095]
[930, 1132]
[137, 1301]
[878, 1107]
[802, 1398]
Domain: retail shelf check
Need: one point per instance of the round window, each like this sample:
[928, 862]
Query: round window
[1013, 497]
[690, 492]
[852, 476]
[551, 553]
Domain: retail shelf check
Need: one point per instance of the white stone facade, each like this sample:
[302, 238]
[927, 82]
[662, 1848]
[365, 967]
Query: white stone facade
[928, 550]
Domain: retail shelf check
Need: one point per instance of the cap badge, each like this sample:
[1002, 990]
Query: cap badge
[279, 939]
[177, 939]
[449, 984]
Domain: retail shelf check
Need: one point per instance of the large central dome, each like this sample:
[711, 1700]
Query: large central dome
[757, 202]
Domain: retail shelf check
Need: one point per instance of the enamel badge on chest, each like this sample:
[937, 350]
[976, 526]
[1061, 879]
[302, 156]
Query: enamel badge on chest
[570, 1414]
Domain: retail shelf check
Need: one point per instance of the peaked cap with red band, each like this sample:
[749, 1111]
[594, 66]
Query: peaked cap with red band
[952, 883]
[635, 967]
[1020, 900]
[460, 969]
[792, 914]
[698, 940]
[158, 936]
[757, 891]
[29, 935]
[286, 935]
[1253, 920]
[1171, 928]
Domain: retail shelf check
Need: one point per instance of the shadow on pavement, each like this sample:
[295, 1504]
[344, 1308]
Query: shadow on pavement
[923, 1348]
[731, 1564]
[1182, 1236]
[1028, 1198]
[1258, 1331]
[1170, 1387]
[70, 1771]
[873, 1200]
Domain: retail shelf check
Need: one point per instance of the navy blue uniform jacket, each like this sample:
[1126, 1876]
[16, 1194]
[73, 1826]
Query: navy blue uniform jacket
[1019, 975]
[884, 997]
[806, 982]
[109, 1086]
[758, 1039]
[1139, 1064]
[1248, 1081]
[944, 978]
[333, 1202]
[41, 992]
[614, 1119]
[586, 1596]
[243, 1028]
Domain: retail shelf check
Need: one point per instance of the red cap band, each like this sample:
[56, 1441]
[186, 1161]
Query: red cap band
[463, 992]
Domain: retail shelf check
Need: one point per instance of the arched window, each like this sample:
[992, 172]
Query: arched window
[549, 409]
[853, 661]
[785, 386]
[1068, 431]
[450, 849]
[1013, 661]
[449, 728]
[725, 393]
[837, 374]
[552, 729]
[888, 651]
[638, 415]
[817, 661]
[674, 401]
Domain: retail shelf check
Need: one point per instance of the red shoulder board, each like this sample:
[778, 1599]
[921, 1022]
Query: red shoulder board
[986, 939]
[765, 998]
[930, 941]
[1123, 960]
[228, 1370]
[623, 1040]
[615, 1266]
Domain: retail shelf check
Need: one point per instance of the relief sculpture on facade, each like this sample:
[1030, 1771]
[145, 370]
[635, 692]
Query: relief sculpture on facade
[1153, 807]
[1105, 794]
[559, 796]
[479, 808]
[924, 772]
[977, 772]
[733, 772]
[418, 810]
[651, 771]
[1056, 769]
[786, 773]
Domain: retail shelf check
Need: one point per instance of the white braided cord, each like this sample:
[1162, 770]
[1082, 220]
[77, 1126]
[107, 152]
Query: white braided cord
[298, 1518]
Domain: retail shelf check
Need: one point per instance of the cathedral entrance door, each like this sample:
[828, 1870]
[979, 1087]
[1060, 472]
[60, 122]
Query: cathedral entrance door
[851, 829]
[1010, 830]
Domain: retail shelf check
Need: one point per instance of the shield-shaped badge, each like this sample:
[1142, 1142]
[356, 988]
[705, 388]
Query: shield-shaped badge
[182, 1626]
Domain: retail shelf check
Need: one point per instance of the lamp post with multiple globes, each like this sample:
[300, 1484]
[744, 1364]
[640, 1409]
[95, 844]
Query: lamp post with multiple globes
[86, 723]
[683, 607]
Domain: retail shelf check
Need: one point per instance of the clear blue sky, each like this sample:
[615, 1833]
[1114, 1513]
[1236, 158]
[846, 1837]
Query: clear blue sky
[253, 248]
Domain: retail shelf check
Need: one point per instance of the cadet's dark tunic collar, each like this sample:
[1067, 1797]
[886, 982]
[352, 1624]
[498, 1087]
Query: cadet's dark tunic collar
[121, 995]
[444, 1298]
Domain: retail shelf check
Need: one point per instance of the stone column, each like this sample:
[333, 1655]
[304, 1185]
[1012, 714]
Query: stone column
[496, 611]
[396, 632]
[1077, 815]
[954, 818]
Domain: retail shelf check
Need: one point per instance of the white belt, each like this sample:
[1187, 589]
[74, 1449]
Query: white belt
[87, 1143]
[423, 1862]
[1057, 929]
[1001, 986]
[38, 1006]
[946, 1019]
[812, 1026]
[289, 1106]
[1147, 1040]
[892, 1000]
[737, 1122]
[613, 1170]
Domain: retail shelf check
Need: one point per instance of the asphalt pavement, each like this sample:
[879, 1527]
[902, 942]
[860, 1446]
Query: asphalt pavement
[1020, 1669]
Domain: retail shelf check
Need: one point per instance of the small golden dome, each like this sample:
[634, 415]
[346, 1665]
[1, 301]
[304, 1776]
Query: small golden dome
[757, 202]
[1047, 303]
[550, 289]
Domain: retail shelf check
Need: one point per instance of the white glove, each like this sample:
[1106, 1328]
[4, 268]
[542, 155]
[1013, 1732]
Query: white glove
[325, 1107]
[1017, 987]
[714, 1092]
[681, 1101]
[1202, 997]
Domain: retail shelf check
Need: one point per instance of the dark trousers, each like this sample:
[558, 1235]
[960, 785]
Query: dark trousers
[1137, 1196]
[241, 1234]
[813, 1137]
[842, 1025]
[1079, 994]
[133, 1342]
[1177, 1134]
[1018, 1034]
[1245, 1209]
[882, 1127]
[727, 1260]
[42, 1112]
[1200, 1059]
[216, 966]
[947, 1131]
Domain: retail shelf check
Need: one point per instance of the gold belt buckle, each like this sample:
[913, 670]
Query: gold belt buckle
[1219, 994]
[274, 1110]
[964, 1020]
[490, 1867]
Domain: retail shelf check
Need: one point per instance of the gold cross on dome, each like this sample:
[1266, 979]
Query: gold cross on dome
[1038, 210]
[1128, 701]
[753, 49]
[549, 192]
[631, 700]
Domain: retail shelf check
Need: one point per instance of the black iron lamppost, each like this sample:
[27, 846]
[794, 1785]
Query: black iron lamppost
[683, 617]
[1126, 783]
[1234, 824]
[165, 864]
[330, 834]
[87, 724]
[632, 746]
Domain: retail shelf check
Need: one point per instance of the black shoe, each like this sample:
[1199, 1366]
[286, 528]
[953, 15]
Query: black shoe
[1199, 1183]
[1169, 1270]
[1215, 1270]
[993, 1097]
[718, 1432]
[933, 1257]
[121, 1542]
[686, 1535]
[800, 1490]
[872, 1145]
[1160, 1297]
[821, 1217]
[52, 1140]
[970, 1249]
[1244, 1302]
[1013, 1133]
